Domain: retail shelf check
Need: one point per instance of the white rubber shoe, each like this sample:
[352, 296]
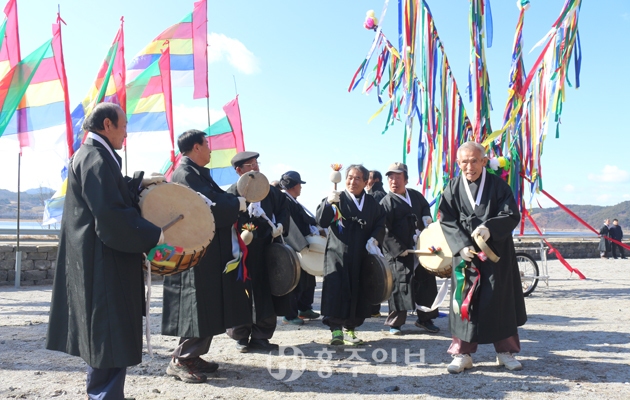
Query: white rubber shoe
[460, 363]
[509, 361]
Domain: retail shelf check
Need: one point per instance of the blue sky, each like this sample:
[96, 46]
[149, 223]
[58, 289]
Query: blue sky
[293, 60]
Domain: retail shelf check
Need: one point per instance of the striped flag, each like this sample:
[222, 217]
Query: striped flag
[149, 107]
[225, 139]
[14, 84]
[109, 86]
[188, 41]
[42, 118]
[10, 47]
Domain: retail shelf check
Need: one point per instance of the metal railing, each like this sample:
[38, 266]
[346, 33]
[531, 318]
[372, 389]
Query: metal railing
[29, 232]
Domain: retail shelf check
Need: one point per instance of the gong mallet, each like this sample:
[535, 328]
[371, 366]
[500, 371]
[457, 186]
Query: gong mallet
[335, 176]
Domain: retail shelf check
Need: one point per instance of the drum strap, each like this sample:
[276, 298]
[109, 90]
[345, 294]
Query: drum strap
[147, 270]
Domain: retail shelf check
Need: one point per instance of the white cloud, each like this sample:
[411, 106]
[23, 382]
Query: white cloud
[603, 198]
[611, 174]
[569, 188]
[233, 51]
[194, 117]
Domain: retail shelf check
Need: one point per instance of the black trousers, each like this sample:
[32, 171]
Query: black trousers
[616, 247]
[262, 329]
[337, 323]
[301, 300]
[106, 383]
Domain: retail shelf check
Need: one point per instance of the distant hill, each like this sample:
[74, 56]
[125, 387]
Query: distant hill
[31, 203]
[556, 219]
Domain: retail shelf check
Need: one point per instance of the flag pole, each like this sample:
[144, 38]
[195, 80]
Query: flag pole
[18, 253]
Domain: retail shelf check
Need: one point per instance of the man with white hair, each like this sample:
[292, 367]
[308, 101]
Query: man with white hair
[487, 304]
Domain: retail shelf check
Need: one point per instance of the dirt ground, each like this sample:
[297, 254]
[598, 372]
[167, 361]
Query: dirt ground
[575, 344]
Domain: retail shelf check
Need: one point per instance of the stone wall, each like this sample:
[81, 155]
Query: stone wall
[584, 248]
[38, 262]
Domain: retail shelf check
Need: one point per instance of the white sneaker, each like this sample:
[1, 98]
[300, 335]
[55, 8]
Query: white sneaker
[460, 363]
[509, 361]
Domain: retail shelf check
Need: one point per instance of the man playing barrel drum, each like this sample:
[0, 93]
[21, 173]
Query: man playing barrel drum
[265, 307]
[356, 225]
[96, 306]
[303, 295]
[407, 213]
[203, 301]
[478, 207]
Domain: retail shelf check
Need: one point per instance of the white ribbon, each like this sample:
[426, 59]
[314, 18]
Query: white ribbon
[439, 299]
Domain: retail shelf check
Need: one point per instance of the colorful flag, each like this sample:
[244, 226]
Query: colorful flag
[53, 208]
[225, 139]
[43, 115]
[14, 84]
[10, 47]
[109, 86]
[149, 107]
[188, 47]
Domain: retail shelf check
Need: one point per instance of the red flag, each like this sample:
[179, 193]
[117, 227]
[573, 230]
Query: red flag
[61, 72]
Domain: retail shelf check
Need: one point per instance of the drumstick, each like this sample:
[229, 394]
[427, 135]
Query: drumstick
[179, 217]
[422, 252]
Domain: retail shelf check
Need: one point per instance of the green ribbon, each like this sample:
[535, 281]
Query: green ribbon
[460, 283]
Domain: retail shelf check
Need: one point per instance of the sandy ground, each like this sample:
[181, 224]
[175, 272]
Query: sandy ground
[575, 344]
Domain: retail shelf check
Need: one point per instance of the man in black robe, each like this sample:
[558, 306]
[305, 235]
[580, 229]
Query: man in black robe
[375, 189]
[617, 234]
[265, 307]
[604, 243]
[360, 229]
[407, 213]
[203, 301]
[98, 292]
[375, 186]
[303, 295]
[474, 204]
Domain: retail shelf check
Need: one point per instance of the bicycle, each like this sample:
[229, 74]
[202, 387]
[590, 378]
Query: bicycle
[529, 272]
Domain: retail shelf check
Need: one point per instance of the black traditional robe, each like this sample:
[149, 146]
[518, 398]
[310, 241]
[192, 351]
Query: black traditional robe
[604, 244]
[203, 301]
[498, 306]
[274, 205]
[377, 191]
[401, 221]
[345, 250]
[96, 307]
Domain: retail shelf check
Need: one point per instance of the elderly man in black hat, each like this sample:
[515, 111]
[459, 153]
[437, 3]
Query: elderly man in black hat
[265, 307]
[303, 295]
